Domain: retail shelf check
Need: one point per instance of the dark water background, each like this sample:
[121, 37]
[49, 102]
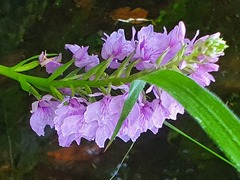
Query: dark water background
[28, 27]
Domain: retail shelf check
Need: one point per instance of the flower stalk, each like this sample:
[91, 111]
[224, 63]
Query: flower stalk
[92, 96]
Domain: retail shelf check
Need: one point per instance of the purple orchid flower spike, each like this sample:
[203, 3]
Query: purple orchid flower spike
[95, 115]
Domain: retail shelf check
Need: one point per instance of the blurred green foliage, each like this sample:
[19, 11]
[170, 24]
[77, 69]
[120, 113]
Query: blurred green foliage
[15, 19]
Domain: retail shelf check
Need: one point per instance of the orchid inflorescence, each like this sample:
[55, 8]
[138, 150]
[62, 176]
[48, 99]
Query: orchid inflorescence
[92, 112]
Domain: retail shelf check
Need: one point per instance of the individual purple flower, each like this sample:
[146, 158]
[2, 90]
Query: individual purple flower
[70, 123]
[94, 62]
[176, 41]
[152, 116]
[82, 59]
[105, 113]
[201, 74]
[152, 45]
[169, 105]
[52, 63]
[116, 47]
[78, 52]
[43, 114]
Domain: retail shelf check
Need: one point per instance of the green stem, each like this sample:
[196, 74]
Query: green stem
[44, 83]
[36, 81]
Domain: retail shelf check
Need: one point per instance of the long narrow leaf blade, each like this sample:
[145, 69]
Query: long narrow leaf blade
[25, 61]
[135, 89]
[27, 67]
[213, 116]
[94, 70]
[30, 59]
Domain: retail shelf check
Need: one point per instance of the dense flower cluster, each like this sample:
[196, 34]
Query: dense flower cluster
[78, 117]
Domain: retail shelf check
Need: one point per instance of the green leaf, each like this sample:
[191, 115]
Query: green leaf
[208, 110]
[95, 69]
[72, 74]
[28, 87]
[135, 89]
[56, 93]
[24, 62]
[27, 67]
[29, 59]
[60, 70]
[101, 70]
[121, 68]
